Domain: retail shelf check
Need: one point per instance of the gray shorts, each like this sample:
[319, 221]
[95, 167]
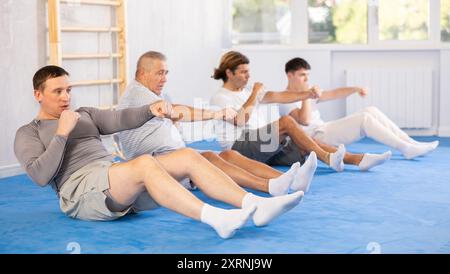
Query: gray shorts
[263, 145]
[83, 195]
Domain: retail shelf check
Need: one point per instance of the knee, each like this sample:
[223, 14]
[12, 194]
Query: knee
[143, 162]
[209, 155]
[189, 153]
[228, 154]
[371, 110]
[287, 122]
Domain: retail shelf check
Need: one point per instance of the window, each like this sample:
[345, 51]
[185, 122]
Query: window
[445, 20]
[261, 21]
[403, 19]
[337, 21]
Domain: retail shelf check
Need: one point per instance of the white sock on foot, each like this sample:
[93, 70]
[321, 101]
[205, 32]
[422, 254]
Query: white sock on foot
[413, 151]
[224, 221]
[370, 160]
[337, 159]
[305, 174]
[280, 185]
[268, 209]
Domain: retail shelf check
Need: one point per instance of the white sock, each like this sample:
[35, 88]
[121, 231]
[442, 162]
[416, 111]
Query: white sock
[305, 174]
[433, 144]
[413, 151]
[370, 160]
[280, 185]
[226, 221]
[337, 159]
[268, 209]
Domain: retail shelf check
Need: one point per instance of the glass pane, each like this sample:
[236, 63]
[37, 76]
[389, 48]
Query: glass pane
[403, 19]
[261, 21]
[445, 20]
[338, 21]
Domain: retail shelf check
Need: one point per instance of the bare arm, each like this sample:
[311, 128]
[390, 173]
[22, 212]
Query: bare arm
[243, 114]
[303, 114]
[185, 113]
[285, 97]
[341, 93]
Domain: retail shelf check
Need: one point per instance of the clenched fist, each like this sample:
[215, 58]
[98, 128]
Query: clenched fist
[225, 114]
[316, 92]
[362, 92]
[67, 122]
[162, 109]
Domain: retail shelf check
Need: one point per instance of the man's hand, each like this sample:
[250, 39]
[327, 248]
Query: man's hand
[315, 92]
[225, 114]
[257, 88]
[362, 92]
[67, 122]
[162, 109]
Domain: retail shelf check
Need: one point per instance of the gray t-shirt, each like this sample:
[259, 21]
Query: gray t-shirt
[157, 136]
[51, 159]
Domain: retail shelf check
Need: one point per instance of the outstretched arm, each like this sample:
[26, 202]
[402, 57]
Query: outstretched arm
[341, 93]
[185, 113]
[285, 97]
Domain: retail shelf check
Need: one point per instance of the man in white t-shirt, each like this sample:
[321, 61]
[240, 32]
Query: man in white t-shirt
[369, 122]
[159, 136]
[250, 133]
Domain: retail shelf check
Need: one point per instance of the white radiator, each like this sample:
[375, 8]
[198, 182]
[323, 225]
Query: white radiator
[404, 95]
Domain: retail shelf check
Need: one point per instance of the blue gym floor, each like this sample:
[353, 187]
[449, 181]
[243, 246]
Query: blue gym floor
[400, 207]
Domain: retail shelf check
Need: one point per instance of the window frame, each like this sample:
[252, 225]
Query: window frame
[300, 27]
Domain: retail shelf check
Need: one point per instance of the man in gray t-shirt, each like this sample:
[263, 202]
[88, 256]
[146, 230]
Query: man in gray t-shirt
[63, 148]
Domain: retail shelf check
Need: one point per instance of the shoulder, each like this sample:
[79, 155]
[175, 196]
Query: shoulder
[28, 129]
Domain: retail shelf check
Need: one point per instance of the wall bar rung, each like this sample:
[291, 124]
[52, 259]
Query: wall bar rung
[92, 2]
[91, 56]
[96, 82]
[83, 29]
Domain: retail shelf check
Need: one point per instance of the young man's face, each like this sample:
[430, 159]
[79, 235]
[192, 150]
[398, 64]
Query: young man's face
[55, 97]
[299, 78]
[240, 77]
[156, 77]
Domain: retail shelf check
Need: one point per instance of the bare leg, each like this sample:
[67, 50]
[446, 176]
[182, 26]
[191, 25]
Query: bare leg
[349, 158]
[211, 180]
[289, 127]
[256, 168]
[241, 176]
[128, 180]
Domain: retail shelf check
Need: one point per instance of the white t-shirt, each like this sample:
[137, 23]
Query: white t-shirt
[227, 133]
[315, 122]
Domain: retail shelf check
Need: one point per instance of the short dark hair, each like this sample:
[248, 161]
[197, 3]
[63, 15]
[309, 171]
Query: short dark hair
[231, 60]
[45, 73]
[296, 64]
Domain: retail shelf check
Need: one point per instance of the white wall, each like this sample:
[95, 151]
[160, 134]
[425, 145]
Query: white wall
[21, 49]
[189, 33]
[444, 99]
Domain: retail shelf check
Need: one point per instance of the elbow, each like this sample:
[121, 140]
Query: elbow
[37, 179]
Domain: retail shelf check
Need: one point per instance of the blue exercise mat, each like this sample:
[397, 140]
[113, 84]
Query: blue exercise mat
[400, 207]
